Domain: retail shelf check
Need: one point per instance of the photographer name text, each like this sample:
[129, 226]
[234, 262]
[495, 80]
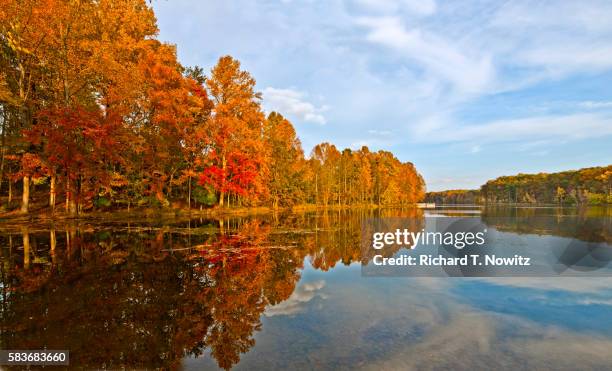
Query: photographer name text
[439, 260]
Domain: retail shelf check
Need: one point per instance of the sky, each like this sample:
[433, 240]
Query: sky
[466, 90]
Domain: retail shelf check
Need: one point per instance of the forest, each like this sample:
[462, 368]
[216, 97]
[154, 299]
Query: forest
[585, 186]
[98, 114]
[592, 186]
[454, 196]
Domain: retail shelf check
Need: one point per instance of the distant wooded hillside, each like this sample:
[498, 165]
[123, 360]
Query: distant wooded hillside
[585, 186]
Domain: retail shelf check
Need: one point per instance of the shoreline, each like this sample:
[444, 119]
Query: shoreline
[45, 215]
[156, 213]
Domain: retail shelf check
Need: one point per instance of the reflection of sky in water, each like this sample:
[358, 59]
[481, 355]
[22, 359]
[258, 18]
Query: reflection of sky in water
[576, 311]
[581, 251]
[339, 320]
[159, 291]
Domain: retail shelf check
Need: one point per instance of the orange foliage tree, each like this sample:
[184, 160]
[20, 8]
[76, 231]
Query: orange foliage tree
[237, 156]
[93, 104]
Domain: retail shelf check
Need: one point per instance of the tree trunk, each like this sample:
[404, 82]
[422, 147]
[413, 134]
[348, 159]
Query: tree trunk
[25, 196]
[52, 192]
[78, 199]
[189, 194]
[222, 193]
[71, 206]
[10, 195]
[316, 189]
[67, 192]
[3, 153]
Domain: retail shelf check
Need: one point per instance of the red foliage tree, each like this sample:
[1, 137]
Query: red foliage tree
[82, 145]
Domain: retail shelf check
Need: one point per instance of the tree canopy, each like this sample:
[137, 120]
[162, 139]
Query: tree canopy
[585, 186]
[96, 113]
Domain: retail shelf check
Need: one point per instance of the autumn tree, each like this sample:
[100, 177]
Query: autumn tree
[237, 156]
[167, 121]
[326, 157]
[92, 103]
[24, 29]
[362, 182]
[411, 184]
[82, 144]
[286, 182]
[69, 56]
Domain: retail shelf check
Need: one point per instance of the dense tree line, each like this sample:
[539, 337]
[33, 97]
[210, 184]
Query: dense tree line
[585, 186]
[96, 112]
[454, 196]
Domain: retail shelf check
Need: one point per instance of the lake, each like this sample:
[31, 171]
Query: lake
[286, 291]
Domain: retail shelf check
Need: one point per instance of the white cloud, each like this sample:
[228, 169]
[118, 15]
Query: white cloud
[292, 103]
[417, 7]
[424, 7]
[589, 15]
[439, 57]
[553, 39]
[565, 127]
[596, 104]
[569, 57]
[427, 72]
[295, 304]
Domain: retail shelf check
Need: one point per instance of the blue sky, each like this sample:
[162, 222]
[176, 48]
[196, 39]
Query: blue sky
[466, 90]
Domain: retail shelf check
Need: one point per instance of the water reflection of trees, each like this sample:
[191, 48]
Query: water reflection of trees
[146, 296]
[149, 295]
[127, 300]
[592, 224]
[339, 236]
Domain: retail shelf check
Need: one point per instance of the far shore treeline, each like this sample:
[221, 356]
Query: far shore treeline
[97, 114]
[589, 186]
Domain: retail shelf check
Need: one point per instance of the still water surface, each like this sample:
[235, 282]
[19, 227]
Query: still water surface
[286, 292]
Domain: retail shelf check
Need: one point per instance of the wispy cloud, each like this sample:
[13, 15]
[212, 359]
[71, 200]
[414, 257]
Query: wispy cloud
[557, 37]
[292, 102]
[564, 127]
[596, 104]
[435, 54]
[298, 299]
[417, 7]
[430, 72]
